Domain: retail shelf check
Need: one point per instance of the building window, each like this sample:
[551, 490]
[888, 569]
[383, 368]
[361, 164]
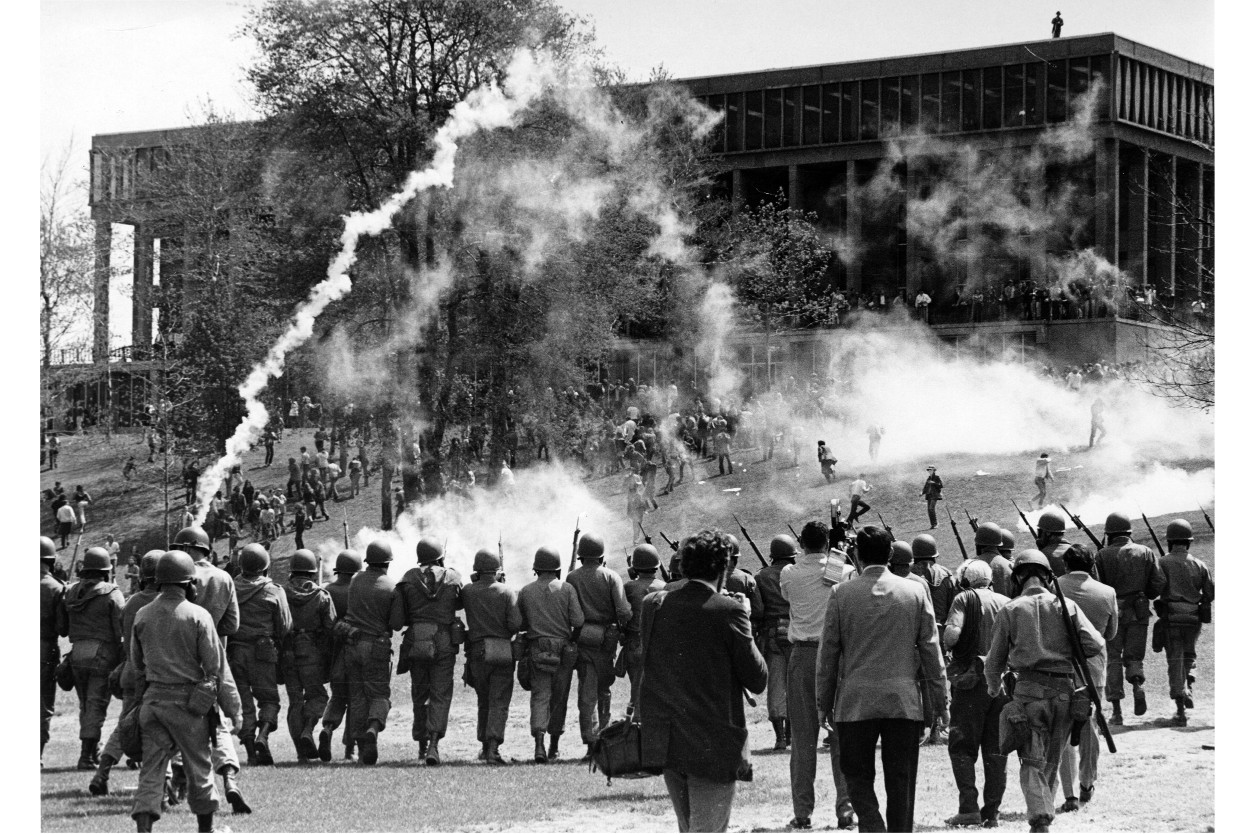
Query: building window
[909, 104]
[755, 120]
[951, 91]
[831, 100]
[890, 94]
[1013, 96]
[1078, 82]
[790, 117]
[811, 115]
[992, 99]
[1034, 87]
[972, 100]
[1056, 92]
[870, 109]
[772, 118]
[717, 137]
[733, 122]
[850, 111]
[931, 101]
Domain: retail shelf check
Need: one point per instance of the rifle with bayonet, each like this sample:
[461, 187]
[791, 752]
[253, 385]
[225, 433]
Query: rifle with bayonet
[672, 544]
[972, 520]
[887, 527]
[750, 541]
[347, 543]
[577, 534]
[1025, 519]
[1076, 519]
[1154, 537]
[955, 529]
[1210, 523]
[647, 539]
[1078, 654]
[73, 561]
[791, 526]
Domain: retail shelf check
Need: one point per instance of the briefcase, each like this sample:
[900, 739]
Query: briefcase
[617, 752]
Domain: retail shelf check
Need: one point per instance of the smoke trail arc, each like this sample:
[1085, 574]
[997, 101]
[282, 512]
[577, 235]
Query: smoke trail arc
[486, 108]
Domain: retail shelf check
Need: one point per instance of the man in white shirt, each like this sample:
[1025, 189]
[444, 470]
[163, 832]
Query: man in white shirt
[807, 585]
[922, 306]
[859, 488]
[1041, 474]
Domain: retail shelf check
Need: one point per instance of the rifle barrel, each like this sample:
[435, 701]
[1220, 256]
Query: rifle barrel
[1082, 527]
[1025, 519]
[958, 538]
[1153, 537]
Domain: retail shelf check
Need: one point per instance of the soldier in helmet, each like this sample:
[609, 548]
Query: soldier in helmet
[1134, 572]
[601, 593]
[215, 593]
[371, 617]
[740, 581]
[643, 566]
[347, 565]
[775, 634]
[551, 616]
[1031, 637]
[93, 607]
[52, 625]
[490, 606]
[306, 651]
[264, 623]
[1051, 528]
[988, 539]
[941, 583]
[428, 597]
[1183, 607]
[99, 785]
[176, 655]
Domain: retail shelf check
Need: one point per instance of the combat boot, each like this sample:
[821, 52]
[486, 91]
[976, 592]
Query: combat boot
[1180, 719]
[1070, 803]
[779, 730]
[540, 752]
[1139, 699]
[249, 744]
[1039, 824]
[492, 753]
[263, 756]
[323, 745]
[204, 822]
[143, 822]
[100, 782]
[88, 757]
[305, 745]
[349, 751]
[1117, 717]
[1189, 692]
[553, 747]
[230, 776]
[422, 746]
[432, 758]
[368, 744]
[1087, 793]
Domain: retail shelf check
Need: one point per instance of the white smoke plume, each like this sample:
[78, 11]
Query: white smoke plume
[716, 315]
[1156, 490]
[486, 108]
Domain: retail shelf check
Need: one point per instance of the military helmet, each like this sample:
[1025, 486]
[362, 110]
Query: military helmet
[924, 546]
[1030, 556]
[546, 559]
[303, 561]
[97, 558]
[900, 553]
[645, 557]
[147, 564]
[1051, 522]
[1179, 531]
[192, 537]
[589, 546]
[174, 568]
[429, 551]
[47, 548]
[989, 534]
[379, 553]
[1009, 542]
[348, 561]
[782, 547]
[1118, 524]
[254, 558]
[486, 562]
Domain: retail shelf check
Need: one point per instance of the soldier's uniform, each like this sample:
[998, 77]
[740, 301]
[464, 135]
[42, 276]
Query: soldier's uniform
[774, 634]
[645, 561]
[989, 537]
[367, 654]
[345, 567]
[93, 608]
[264, 622]
[493, 617]
[1183, 607]
[175, 648]
[1133, 571]
[550, 616]
[52, 625]
[742, 582]
[941, 582]
[427, 598]
[306, 652]
[601, 593]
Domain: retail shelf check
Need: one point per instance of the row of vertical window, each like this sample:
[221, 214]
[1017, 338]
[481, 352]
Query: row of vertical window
[1016, 95]
[1165, 101]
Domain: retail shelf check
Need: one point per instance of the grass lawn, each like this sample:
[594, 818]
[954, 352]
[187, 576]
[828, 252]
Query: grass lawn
[1162, 778]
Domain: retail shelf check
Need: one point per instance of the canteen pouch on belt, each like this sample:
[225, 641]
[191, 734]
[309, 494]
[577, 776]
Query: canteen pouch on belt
[1081, 707]
[611, 636]
[65, 674]
[1204, 612]
[203, 697]
[1141, 607]
[266, 650]
[422, 648]
[496, 651]
[592, 636]
[456, 630]
[1159, 635]
[1013, 728]
[546, 653]
[568, 654]
[525, 673]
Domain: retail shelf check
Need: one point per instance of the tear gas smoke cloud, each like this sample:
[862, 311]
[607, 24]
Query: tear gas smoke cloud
[486, 108]
[1156, 490]
[717, 317]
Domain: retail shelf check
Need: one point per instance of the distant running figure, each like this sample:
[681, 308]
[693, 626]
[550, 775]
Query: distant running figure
[1041, 474]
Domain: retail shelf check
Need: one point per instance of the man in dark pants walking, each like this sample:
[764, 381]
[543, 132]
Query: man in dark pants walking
[877, 626]
[932, 493]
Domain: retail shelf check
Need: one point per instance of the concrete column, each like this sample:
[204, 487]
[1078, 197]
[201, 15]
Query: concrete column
[796, 189]
[141, 297]
[103, 266]
[854, 226]
[737, 188]
[1188, 249]
[1107, 199]
[1174, 189]
[1133, 222]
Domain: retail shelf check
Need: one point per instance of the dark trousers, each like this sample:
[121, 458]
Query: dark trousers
[368, 670]
[973, 733]
[49, 656]
[900, 753]
[595, 676]
[268, 455]
[433, 683]
[858, 508]
[1182, 652]
[1126, 652]
[722, 461]
[493, 685]
[932, 504]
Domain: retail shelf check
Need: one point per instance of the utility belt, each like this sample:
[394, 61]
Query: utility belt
[1044, 677]
[777, 628]
[265, 649]
[1135, 602]
[495, 651]
[599, 635]
[805, 644]
[198, 698]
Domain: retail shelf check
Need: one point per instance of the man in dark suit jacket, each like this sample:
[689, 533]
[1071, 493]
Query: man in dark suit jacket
[698, 657]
